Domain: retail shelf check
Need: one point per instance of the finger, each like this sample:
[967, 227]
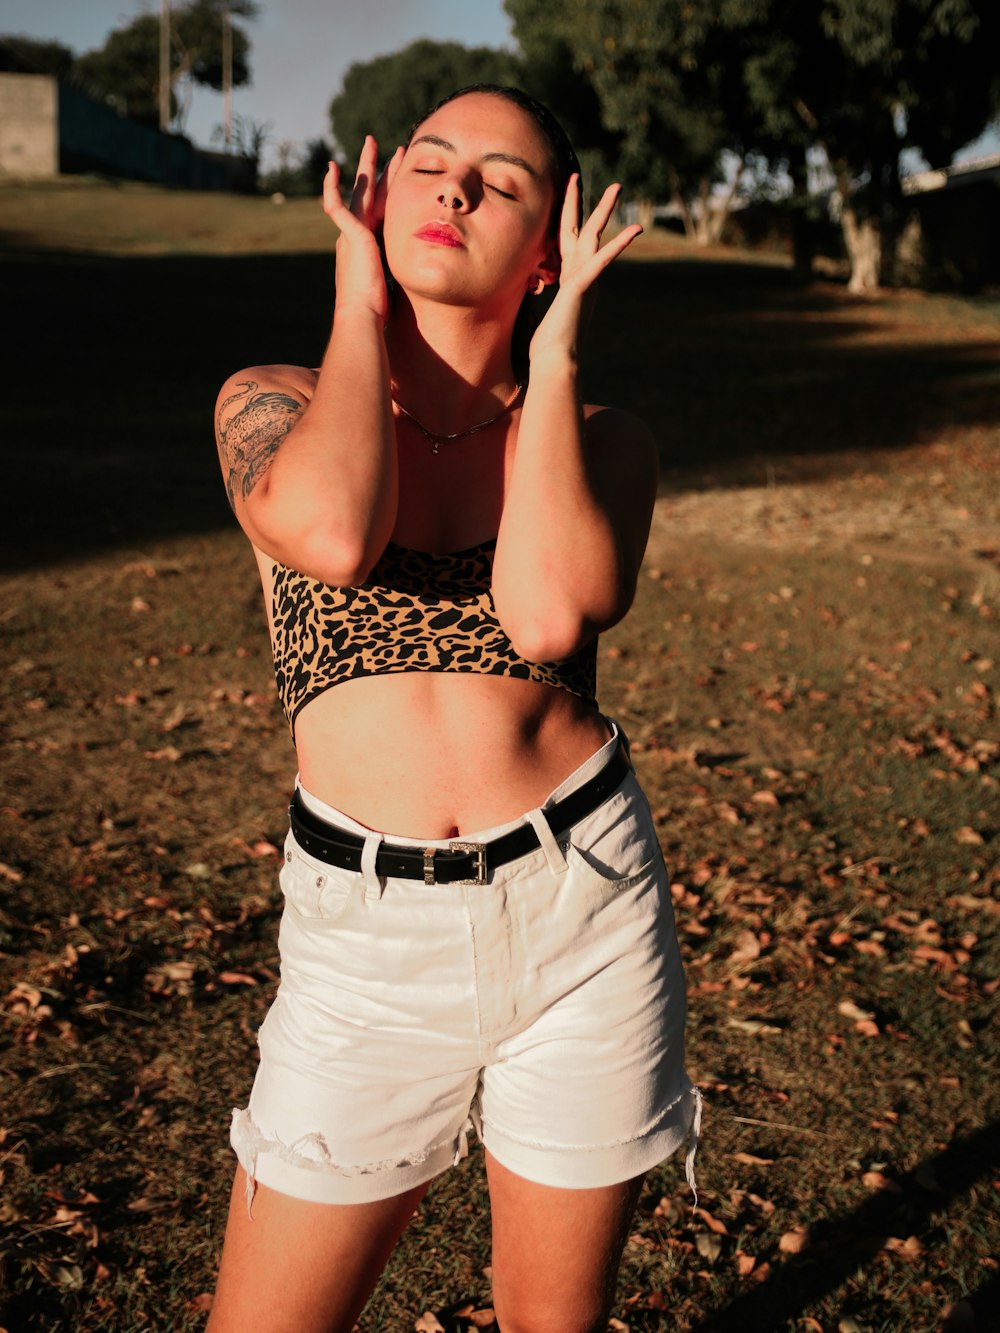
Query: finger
[363, 194]
[569, 219]
[601, 215]
[384, 181]
[332, 202]
[608, 253]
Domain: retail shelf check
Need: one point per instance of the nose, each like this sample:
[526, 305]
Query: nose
[452, 197]
[455, 192]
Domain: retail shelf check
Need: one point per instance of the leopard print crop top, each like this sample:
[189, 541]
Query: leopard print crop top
[415, 612]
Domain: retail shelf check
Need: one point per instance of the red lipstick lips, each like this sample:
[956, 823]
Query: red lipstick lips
[440, 233]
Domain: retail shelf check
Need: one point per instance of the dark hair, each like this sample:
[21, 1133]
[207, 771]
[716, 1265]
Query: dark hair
[565, 163]
[564, 159]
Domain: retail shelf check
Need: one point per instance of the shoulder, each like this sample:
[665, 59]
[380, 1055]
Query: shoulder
[257, 384]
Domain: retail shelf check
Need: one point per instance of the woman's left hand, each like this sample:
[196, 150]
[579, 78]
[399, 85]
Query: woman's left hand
[583, 260]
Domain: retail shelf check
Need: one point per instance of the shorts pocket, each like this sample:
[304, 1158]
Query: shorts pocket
[314, 891]
[617, 843]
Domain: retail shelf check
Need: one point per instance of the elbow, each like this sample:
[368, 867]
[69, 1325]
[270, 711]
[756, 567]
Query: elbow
[549, 638]
[336, 558]
[332, 558]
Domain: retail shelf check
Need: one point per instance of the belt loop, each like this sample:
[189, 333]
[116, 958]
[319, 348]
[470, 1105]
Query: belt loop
[551, 848]
[373, 884]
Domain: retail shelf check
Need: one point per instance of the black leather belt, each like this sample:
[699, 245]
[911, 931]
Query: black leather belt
[461, 862]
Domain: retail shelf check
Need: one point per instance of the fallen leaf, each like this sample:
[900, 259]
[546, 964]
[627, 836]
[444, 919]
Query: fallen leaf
[752, 1026]
[910, 1248]
[747, 948]
[708, 1245]
[748, 1159]
[765, 798]
[875, 1180]
[744, 1263]
[237, 979]
[969, 835]
[867, 1027]
[428, 1323]
[712, 1223]
[794, 1241]
[850, 1010]
[484, 1318]
[201, 1303]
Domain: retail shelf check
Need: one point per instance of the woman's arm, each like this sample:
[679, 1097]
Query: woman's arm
[317, 490]
[580, 495]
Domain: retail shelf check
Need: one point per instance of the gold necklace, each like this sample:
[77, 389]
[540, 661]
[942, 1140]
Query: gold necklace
[437, 440]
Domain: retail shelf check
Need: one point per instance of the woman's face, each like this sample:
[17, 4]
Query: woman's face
[467, 215]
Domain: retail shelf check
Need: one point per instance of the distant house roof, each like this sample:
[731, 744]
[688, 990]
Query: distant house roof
[976, 172]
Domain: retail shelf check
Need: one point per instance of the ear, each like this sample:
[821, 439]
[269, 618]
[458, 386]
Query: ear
[549, 268]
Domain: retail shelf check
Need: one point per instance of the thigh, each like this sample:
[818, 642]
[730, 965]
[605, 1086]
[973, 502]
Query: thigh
[302, 1267]
[556, 1251]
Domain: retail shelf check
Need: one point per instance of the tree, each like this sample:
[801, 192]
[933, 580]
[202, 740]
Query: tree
[299, 173]
[864, 79]
[678, 81]
[125, 71]
[26, 55]
[387, 95]
[666, 86]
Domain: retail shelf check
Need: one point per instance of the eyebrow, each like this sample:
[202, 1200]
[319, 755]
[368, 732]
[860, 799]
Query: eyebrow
[511, 159]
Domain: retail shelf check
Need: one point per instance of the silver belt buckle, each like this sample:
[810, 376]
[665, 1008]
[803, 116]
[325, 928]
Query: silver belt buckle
[478, 849]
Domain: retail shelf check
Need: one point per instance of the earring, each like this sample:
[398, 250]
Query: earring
[538, 286]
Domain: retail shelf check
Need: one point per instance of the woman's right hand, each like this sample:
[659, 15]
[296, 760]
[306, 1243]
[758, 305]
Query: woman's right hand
[360, 280]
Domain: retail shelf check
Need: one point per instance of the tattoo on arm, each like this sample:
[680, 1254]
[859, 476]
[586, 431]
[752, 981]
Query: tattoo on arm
[250, 435]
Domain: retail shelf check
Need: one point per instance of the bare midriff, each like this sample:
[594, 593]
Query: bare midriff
[440, 754]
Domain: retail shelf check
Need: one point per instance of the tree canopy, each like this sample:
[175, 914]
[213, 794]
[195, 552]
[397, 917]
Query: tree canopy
[125, 71]
[679, 81]
[27, 55]
[387, 95]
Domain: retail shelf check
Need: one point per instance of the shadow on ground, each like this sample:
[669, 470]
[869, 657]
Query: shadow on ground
[744, 377]
[846, 1241]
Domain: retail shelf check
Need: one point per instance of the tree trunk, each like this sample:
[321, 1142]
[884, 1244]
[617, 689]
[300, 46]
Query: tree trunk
[645, 211]
[803, 227]
[863, 238]
[678, 198]
[718, 220]
[703, 218]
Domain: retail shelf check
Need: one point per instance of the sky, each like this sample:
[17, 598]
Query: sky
[299, 49]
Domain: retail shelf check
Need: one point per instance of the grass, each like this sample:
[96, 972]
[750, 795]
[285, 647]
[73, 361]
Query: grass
[809, 679]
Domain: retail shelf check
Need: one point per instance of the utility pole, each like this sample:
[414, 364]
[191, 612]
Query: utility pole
[164, 65]
[227, 77]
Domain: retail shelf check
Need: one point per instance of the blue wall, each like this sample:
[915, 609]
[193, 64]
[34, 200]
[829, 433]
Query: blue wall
[93, 138]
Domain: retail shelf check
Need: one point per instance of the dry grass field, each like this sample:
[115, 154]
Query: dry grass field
[809, 678]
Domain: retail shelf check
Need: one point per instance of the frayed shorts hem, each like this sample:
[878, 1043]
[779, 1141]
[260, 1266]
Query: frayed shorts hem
[593, 1167]
[304, 1170]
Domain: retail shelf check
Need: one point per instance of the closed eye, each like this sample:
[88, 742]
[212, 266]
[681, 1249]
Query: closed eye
[497, 190]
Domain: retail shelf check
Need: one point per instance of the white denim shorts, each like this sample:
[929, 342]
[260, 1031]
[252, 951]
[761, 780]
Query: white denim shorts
[545, 1009]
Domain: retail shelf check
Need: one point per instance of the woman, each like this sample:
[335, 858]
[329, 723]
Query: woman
[477, 928]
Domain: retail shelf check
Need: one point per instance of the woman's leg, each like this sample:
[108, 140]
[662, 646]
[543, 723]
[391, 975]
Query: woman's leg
[300, 1267]
[556, 1252]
